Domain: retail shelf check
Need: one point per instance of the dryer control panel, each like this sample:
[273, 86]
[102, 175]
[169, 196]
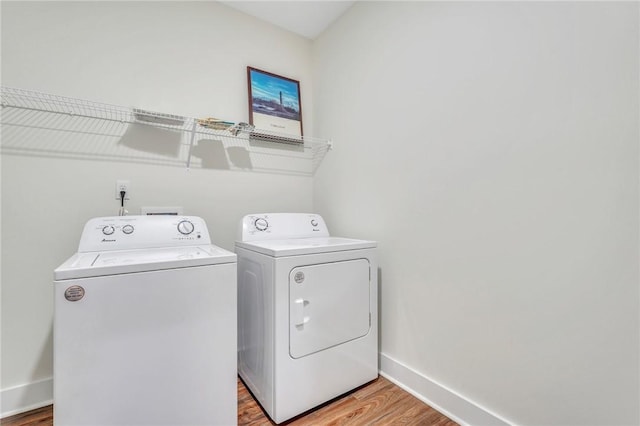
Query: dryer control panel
[280, 226]
[138, 232]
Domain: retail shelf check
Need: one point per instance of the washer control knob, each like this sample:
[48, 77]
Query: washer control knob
[127, 229]
[185, 227]
[261, 224]
[108, 230]
[314, 222]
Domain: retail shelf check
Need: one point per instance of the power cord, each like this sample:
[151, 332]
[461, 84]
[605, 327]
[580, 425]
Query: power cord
[122, 211]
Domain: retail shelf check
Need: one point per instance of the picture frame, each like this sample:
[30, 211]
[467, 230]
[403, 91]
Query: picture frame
[274, 106]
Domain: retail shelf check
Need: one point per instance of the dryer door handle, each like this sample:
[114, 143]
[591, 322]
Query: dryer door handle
[298, 312]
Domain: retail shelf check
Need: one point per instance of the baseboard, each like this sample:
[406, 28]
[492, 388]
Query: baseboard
[437, 396]
[26, 397]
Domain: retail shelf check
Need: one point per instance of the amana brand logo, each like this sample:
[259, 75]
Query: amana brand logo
[104, 240]
[74, 293]
[299, 277]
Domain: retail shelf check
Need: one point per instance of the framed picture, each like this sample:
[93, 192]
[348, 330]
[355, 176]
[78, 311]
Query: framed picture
[274, 103]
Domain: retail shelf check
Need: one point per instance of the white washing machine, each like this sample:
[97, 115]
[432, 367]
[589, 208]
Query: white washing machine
[145, 326]
[307, 312]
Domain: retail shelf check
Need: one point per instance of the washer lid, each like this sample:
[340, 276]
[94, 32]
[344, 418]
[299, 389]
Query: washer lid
[95, 264]
[300, 246]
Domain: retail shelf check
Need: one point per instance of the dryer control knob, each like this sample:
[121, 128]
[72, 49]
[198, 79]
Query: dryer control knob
[261, 224]
[314, 222]
[127, 229]
[185, 227]
[108, 230]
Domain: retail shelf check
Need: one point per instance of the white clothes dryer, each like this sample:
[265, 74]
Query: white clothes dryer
[145, 326]
[307, 312]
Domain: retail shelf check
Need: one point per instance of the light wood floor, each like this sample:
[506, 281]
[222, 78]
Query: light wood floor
[377, 403]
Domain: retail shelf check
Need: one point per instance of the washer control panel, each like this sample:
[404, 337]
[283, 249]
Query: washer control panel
[279, 226]
[132, 232]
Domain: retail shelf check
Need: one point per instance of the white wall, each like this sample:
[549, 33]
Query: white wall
[185, 58]
[492, 150]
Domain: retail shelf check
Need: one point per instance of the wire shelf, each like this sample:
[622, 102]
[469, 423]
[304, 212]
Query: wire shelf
[118, 133]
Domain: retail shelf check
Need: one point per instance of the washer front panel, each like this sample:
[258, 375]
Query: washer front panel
[151, 348]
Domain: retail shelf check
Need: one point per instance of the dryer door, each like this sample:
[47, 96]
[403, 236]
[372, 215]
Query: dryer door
[328, 305]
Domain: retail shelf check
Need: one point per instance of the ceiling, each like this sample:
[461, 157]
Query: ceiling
[306, 18]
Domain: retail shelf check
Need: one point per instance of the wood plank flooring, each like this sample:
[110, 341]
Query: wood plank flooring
[377, 403]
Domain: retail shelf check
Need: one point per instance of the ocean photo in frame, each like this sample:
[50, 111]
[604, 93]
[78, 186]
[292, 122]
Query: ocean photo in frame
[274, 105]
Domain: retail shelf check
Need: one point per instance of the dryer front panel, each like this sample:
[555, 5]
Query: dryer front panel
[328, 305]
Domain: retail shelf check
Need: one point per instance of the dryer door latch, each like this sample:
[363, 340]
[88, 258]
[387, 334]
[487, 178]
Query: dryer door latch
[298, 312]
